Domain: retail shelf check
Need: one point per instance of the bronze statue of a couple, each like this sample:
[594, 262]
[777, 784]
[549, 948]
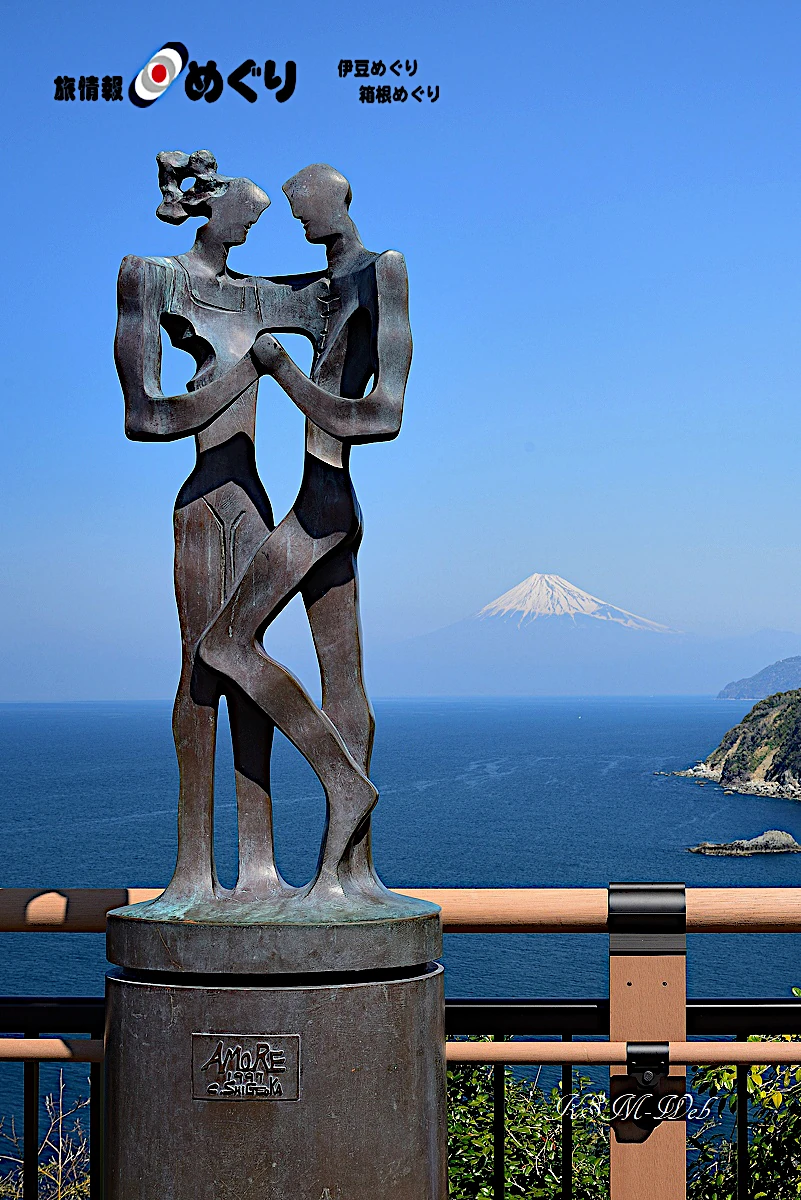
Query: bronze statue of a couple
[235, 569]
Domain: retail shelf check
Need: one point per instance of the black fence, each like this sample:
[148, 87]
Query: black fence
[43, 1016]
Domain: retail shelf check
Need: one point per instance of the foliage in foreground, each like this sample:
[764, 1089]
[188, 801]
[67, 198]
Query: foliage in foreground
[63, 1152]
[533, 1136]
[774, 1149]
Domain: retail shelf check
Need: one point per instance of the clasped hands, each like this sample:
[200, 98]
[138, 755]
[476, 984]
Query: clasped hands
[267, 353]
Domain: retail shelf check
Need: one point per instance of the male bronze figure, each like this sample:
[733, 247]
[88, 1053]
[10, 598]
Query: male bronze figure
[313, 550]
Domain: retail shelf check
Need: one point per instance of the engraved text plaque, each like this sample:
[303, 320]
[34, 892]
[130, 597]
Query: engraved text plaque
[245, 1066]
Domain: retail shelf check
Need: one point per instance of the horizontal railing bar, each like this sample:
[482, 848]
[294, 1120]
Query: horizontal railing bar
[591, 1016]
[52, 1014]
[743, 1016]
[51, 1050]
[541, 1053]
[682, 1054]
[562, 1016]
[464, 910]
[584, 910]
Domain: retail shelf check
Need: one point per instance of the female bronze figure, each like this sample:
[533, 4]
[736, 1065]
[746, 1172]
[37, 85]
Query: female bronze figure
[222, 512]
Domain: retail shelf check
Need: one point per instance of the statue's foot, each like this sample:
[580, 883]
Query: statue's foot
[263, 885]
[358, 869]
[373, 891]
[331, 888]
[359, 879]
[339, 894]
[184, 894]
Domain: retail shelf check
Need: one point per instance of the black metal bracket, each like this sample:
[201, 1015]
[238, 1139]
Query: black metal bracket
[647, 918]
[648, 1062]
[647, 1094]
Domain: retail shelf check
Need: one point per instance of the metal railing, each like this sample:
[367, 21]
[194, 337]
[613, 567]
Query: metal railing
[36, 1021]
[567, 1019]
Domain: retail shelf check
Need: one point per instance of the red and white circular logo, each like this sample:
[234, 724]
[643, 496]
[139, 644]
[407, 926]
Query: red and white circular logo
[157, 74]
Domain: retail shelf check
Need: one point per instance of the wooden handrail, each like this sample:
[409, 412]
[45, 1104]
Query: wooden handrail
[682, 1054]
[584, 910]
[64, 910]
[464, 910]
[518, 910]
[82, 1050]
[90, 1050]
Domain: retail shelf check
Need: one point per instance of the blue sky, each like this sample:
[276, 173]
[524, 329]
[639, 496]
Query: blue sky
[600, 217]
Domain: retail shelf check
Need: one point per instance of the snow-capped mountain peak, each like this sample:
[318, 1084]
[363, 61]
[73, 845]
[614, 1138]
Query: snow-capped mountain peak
[553, 596]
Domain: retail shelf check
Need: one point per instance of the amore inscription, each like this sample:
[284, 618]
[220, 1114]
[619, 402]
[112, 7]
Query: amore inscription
[245, 1066]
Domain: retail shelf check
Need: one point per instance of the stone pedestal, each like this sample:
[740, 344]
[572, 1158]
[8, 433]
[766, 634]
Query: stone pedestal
[280, 1085]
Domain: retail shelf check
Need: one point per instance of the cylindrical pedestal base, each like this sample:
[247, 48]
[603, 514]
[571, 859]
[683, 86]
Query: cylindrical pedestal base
[328, 1088]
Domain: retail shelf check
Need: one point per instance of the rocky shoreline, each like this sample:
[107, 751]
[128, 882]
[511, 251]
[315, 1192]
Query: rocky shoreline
[773, 841]
[788, 788]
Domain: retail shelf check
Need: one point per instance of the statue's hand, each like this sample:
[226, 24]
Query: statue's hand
[267, 353]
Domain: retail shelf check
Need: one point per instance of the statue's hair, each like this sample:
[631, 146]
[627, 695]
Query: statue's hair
[174, 168]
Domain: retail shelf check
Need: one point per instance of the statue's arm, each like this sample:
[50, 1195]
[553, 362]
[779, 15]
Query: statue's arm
[375, 417]
[149, 414]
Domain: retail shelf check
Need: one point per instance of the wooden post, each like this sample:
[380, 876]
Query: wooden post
[648, 1003]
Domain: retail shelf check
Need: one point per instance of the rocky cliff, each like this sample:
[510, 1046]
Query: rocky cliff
[763, 753]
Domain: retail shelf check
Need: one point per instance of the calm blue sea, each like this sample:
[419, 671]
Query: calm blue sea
[484, 793]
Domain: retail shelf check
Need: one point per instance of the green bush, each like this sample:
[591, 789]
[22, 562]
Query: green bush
[533, 1138]
[774, 1143]
[534, 1144]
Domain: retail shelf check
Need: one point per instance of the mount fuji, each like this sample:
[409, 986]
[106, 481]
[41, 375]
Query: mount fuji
[552, 596]
[548, 637]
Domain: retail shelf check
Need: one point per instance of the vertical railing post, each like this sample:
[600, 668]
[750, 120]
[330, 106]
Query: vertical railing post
[30, 1128]
[743, 1158]
[567, 1127]
[648, 1003]
[96, 1102]
[498, 1127]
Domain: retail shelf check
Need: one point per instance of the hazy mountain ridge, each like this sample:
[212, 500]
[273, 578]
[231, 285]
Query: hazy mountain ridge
[547, 637]
[781, 676]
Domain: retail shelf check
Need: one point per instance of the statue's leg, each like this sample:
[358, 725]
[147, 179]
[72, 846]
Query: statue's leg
[251, 731]
[252, 737]
[330, 593]
[232, 647]
[331, 596]
[194, 728]
[194, 723]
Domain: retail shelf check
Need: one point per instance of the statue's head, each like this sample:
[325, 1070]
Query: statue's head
[231, 205]
[320, 198]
